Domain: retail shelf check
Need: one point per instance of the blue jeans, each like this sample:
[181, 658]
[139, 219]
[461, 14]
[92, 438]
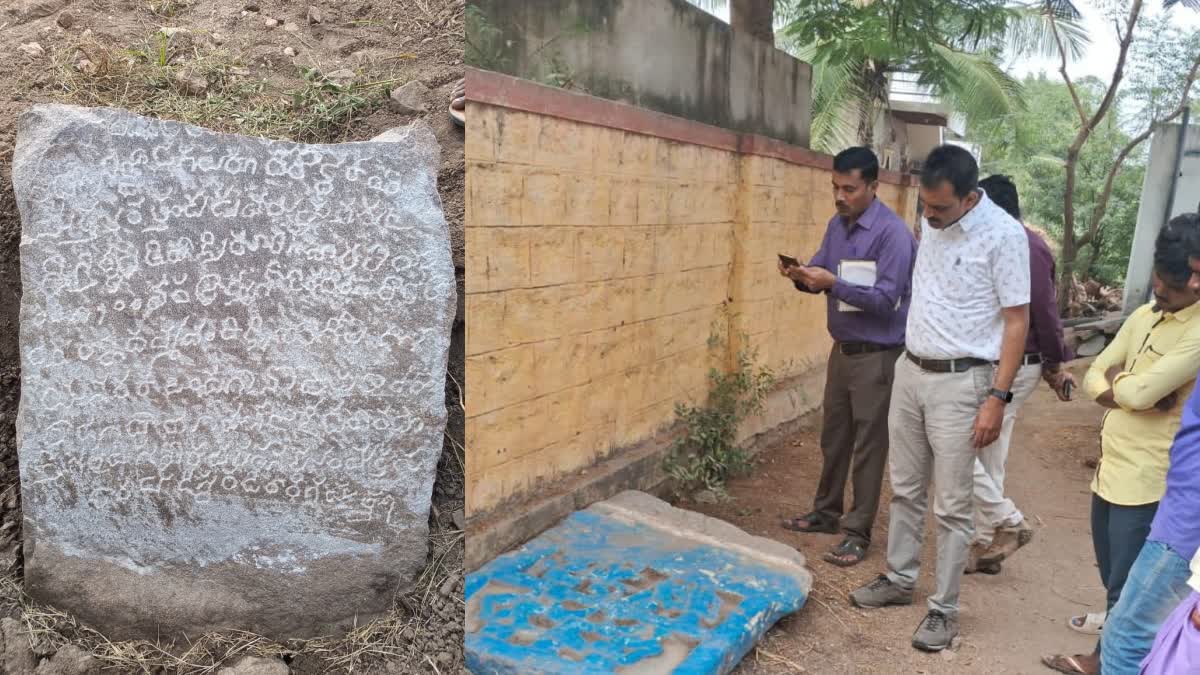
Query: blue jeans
[1118, 533]
[1157, 583]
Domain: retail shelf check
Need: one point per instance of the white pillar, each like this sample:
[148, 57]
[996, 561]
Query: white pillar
[1155, 195]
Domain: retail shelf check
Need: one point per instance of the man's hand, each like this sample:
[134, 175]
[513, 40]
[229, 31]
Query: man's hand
[1167, 402]
[817, 278]
[1112, 373]
[988, 423]
[1058, 381]
[790, 271]
[1196, 617]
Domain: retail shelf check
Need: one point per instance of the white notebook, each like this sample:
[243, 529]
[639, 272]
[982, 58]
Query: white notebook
[859, 273]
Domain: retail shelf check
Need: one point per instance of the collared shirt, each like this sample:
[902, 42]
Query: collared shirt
[1158, 354]
[879, 235]
[965, 275]
[1177, 520]
[1045, 324]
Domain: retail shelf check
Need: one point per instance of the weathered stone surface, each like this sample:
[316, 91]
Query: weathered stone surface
[70, 660]
[631, 584]
[28, 10]
[233, 359]
[15, 654]
[253, 665]
[409, 98]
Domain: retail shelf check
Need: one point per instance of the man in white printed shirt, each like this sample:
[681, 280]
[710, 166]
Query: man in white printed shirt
[965, 341]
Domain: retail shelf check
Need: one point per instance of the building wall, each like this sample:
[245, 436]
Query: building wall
[604, 244]
[663, 55]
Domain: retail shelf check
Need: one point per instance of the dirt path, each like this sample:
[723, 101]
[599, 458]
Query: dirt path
[1008, 620]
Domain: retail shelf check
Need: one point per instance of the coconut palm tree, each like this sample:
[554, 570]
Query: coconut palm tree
[954, 47]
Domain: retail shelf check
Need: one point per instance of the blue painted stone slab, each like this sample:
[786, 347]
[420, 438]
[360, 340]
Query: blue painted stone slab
[631, 586]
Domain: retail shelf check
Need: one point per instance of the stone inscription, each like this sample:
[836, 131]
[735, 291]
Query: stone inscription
[211, 323]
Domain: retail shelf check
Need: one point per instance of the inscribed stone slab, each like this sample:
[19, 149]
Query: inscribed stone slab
[630, 585]
[233, 354]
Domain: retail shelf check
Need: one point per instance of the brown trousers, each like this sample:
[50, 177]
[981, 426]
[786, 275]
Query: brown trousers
[854, 436]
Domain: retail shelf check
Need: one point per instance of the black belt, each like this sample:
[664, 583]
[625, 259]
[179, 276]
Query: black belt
[852, 348]
[947, 365]
[1031, 359]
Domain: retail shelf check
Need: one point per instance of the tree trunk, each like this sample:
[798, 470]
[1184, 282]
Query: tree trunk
[1088, 123]
[875, 86]
[755, 17]
[1069, 252]
[866, 123]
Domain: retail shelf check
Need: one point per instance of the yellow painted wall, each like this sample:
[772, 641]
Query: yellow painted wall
[597, 262]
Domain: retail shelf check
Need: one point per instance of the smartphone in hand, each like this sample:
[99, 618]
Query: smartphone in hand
[789, 261]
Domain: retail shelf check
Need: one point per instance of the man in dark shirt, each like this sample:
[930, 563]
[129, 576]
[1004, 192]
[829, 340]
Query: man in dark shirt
[867, 323]
[1000, 527]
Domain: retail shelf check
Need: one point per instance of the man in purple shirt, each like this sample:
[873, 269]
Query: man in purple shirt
[1157, 582]
[1000, 528]
[867, 322]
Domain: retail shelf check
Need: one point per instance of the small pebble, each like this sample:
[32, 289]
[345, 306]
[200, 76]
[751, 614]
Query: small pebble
[290, 51]
[65, 20]
[32, 49]
[315, 15]
[291, 27]
[272, 23]
[251, 7]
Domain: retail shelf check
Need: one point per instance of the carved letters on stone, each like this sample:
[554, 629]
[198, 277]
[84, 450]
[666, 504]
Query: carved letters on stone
[233, 356]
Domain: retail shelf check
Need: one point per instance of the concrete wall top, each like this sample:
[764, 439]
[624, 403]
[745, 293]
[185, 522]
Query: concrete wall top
[520, 94]
[664, 55]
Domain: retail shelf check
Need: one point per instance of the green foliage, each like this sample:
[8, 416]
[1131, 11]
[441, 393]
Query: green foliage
[143, 79]
[484, 42]
[1031, 146]
[490, 46]
[954, 46]
[707, 453]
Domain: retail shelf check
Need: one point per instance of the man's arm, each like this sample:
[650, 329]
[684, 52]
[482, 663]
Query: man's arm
[893, 272]
[1010, 278]
[1097, 383]
[1147, 389]
[1012, 348]
[820, 259]
[1044, 319]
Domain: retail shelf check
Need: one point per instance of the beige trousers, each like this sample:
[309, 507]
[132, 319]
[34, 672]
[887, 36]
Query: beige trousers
[930, 422]
[992, 508]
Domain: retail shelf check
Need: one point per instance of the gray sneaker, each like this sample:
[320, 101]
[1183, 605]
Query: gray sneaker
[880, 593]
[935, 633]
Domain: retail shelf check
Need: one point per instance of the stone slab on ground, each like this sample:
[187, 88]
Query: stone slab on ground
[630, 585]
[233, 356]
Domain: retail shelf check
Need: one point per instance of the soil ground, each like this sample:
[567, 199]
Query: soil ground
[1008, 620]
[315, 71]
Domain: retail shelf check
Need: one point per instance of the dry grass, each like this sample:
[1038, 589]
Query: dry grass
[151, 78]
[387, 640]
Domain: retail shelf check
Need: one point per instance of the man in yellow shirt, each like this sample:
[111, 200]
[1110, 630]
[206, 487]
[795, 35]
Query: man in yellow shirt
[1143, 377]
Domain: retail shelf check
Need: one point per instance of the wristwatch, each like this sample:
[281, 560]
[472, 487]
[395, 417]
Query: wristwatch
[1005, 396]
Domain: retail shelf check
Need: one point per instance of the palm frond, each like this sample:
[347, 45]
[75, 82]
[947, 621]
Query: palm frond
[1190, 4]
[974, 84]
[837, 91]
[1032, 30]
